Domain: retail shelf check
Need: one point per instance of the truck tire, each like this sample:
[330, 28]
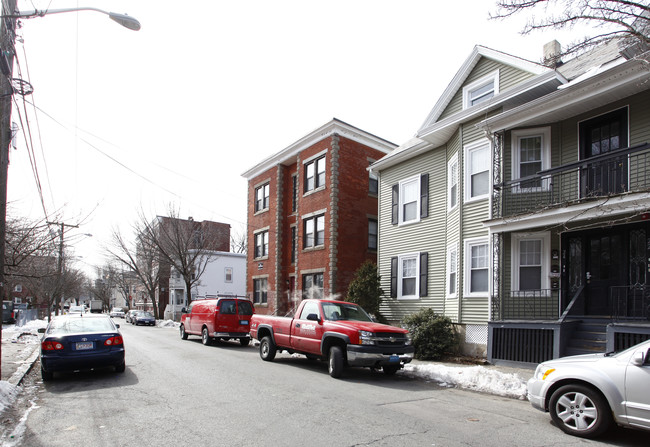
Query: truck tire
[205, 337]
[183, 333]
[335, 364]
[267, 349]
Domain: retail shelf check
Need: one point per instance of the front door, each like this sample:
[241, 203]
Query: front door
[605, 262]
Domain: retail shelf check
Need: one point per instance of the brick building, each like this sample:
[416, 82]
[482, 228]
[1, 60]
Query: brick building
[312, 216]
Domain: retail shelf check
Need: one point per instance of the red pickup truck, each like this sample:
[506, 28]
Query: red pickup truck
[341, 332]
[222, 318]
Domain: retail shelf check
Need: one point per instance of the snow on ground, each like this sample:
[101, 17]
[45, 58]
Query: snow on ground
[475, 378]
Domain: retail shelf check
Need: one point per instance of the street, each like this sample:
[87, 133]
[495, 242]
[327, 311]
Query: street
[177, 392]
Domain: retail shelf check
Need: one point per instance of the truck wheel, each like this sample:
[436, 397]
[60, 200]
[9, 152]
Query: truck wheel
[205, 337]
[580, 411]
[390, 370]
[267, 349]
[335, 364]
[183, 333]
[244, 341]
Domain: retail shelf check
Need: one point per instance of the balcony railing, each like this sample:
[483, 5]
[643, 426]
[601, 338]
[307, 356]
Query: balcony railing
[526, 305]
[617, 172]
[630, 302]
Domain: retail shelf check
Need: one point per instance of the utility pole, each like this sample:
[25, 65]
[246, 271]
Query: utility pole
[7, 39]
[60, 267]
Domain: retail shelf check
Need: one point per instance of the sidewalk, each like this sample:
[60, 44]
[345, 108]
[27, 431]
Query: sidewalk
[19, 352]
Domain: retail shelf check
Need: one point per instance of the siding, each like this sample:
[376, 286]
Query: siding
[508, 78]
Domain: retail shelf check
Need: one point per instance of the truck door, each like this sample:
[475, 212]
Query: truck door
[227, 320]
[307, 329]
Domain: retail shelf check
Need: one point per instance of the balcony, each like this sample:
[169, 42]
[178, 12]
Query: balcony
[526, 305]
[617, 172]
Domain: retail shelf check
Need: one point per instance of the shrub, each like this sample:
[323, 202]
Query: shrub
[365, 289]
[434, 335]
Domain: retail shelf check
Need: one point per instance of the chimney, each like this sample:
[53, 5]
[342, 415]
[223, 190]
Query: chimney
[552, 53]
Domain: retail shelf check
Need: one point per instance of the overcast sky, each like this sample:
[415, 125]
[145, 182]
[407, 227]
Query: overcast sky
[123, 121]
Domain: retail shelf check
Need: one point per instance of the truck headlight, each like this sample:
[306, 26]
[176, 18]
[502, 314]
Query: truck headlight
[409, 339]
[366, 338]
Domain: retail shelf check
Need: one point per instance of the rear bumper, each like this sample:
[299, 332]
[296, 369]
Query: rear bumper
[359, 355]
[231, 334]
[69, 362]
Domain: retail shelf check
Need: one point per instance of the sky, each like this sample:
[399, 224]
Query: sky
[124, 123]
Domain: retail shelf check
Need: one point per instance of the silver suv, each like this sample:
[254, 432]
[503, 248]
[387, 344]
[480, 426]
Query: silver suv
[585, 394]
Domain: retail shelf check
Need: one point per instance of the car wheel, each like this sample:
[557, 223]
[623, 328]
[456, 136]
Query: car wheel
[580, 411]
[244, 341]
[121, 367]
[335, 364]
[46, 375]
[267, 349]
[183, 333]
[390, 369]
[205, 336]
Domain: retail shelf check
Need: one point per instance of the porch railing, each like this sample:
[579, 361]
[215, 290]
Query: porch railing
[617, 172]
[630, 302]
[526, 305]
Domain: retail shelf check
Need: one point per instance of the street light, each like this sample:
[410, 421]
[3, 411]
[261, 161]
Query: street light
[123, 19]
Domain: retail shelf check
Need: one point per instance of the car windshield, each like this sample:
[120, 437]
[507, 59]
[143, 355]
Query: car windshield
[342, 311]
[83, 324]
[145, 314]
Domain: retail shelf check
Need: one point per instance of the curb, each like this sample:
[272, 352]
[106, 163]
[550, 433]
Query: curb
[23, 369]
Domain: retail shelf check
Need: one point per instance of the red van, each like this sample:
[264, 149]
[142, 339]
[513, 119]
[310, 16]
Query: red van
[221, 318]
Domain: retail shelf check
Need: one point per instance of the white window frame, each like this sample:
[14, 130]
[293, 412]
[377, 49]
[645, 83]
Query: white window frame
[400, 277]
[452, 267]
[490, 78]
[265, 189]
[517, 136]
[483, 144]
[467, 269]
[261, 233]
[452, 180]
[545, 237]
[314, 160]
[402, 184]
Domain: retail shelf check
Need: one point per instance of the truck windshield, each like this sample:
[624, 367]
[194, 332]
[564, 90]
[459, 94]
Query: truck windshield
[338, 311]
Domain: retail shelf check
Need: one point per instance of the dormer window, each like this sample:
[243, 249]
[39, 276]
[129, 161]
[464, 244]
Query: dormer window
[481, 90]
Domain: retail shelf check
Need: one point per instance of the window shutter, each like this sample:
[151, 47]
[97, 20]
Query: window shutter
[424, 195]
[393, 277]
[395, 205]
[424, 273]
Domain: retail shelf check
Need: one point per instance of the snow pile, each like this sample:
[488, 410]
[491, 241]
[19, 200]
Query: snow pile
[12, 332]
[8, 393]
[475, 378]
[167, 323]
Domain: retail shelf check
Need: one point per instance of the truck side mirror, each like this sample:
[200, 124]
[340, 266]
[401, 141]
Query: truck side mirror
[313, 317]
[183, 310]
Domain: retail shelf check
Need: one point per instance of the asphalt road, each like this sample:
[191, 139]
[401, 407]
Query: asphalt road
[182, 393]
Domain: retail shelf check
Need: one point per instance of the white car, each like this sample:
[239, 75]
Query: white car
[585, 394]
[117, 312]
[77, 309]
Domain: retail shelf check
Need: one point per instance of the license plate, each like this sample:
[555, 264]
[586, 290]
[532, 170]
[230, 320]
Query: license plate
[84, 345]
[244, 322]
[394, 358]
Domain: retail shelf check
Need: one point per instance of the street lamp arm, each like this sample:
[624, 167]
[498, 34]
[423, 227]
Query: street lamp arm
[123, 19]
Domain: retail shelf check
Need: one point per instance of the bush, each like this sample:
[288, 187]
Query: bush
[434, 336]
[365, 289]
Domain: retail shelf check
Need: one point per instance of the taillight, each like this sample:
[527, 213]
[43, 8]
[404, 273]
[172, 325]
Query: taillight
[51, 346]
[117, 340]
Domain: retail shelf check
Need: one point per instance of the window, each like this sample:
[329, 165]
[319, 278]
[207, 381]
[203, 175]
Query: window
[262, 244]
[531, 153]
[477, 267]
[260, 290]
[262, 198]
[477, 171]
[604, 134]
[312, 286]
[452, 270]
[315, 174]
[452, 183]
[409, 275]
[18, 288]
[293, 244]
[228, 274]
[531, 263]
[373, 185]
[372, 234]
[410, 200]
[314, 231]
[309, 309]
[481, 90]
[294, 193]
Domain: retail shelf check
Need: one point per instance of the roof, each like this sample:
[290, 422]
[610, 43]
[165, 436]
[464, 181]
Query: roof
[335, 126]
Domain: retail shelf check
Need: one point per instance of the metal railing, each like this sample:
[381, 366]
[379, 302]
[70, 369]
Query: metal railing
[526, 305]
[617, 172]
[630, 302]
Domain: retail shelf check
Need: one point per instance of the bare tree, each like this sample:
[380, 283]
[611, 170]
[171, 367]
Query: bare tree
[102, 288]
[610, 19]
[238, 241]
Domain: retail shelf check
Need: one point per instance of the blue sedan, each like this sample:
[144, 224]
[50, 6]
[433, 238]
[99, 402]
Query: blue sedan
[81, 342]
[145, 318]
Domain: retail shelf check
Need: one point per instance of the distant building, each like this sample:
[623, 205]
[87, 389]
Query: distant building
[312, 216]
